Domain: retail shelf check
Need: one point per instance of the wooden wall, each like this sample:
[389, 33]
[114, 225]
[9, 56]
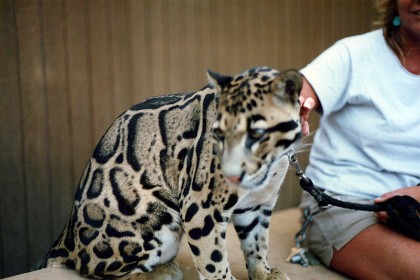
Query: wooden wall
[69, 67]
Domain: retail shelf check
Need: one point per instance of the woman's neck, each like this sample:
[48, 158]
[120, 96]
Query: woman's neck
[411, 52]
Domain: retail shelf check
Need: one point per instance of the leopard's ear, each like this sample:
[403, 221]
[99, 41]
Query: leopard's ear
[287, 86]
[219, 82]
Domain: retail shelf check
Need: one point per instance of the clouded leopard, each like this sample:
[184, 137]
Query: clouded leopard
[185, 163]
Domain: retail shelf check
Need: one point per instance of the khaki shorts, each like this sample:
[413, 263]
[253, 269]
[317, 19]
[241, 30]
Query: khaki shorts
[333, 227]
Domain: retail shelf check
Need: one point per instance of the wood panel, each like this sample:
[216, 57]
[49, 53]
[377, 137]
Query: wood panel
[79, 86]
[69, 67]
[13, 207]
[36, 149]
[59, 130]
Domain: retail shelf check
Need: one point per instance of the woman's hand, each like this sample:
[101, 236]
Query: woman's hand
[306, 106]
[414, 192]
[308, 101]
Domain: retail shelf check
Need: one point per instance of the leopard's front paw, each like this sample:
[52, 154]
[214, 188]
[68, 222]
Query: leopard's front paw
[276, 274]
[273, 274]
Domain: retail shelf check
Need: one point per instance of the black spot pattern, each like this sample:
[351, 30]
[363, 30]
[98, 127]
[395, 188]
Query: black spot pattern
[100, 268]
[96, 185]
[83, 182]
[265, 224]
[145, 181]
[108, 145]
[84, 261]
[194, 249]
[69, 241]
[93, 215]
[191, 211]
[218, 216]
[156, 102]
[208, 225]
[166, 218]
[232, 200]
[267, 212]
[216, 256]
[196, 186]
[210, 268]
[206, 204]
[283, 126]
[129, 267]
[131, 142]
[103, 250]
[70, 264]
[113, 232]
[119, 159]
[286, 142]
[127, 198]
[114, 266]
[197, 233]
[148, 238]
[242, 210]
[243, 231]
[55, 253]
[87, 235]
[130, 251]
[181, 156]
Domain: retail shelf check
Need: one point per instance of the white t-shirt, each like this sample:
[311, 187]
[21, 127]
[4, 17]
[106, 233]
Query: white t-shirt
[368, 142]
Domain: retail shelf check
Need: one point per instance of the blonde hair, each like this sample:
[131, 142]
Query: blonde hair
[387, 11]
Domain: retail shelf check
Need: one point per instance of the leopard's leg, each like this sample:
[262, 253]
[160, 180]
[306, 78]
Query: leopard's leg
[206, 234]
[252, 228]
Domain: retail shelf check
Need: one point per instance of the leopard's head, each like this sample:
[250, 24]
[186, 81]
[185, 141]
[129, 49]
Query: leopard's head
[257, 123]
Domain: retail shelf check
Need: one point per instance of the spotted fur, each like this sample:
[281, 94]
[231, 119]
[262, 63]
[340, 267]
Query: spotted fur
[185, 163]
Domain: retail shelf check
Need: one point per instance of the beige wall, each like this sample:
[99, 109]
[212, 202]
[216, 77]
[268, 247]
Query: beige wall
[68, 68]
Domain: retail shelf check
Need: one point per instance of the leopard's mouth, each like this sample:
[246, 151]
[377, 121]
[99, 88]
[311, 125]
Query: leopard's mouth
[257, 180]
[261, 177]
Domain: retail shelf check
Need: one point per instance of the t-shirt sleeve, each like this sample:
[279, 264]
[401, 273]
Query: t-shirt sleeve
[329, 75]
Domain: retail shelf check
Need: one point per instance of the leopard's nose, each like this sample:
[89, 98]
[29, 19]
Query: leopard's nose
[234, 179]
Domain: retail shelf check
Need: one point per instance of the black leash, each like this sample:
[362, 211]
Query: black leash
[402, 210]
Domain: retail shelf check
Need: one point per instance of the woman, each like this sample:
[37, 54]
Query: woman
[367, 90]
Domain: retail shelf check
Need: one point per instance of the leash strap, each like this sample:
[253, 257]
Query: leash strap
[402, 210]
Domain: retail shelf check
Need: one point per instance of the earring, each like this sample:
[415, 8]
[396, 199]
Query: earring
[396, 21]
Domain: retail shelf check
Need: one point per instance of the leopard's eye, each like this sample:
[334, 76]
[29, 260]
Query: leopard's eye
[256, 133]
[218, 133]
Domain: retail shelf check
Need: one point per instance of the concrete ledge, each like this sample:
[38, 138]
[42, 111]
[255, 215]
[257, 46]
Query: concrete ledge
[283, 227]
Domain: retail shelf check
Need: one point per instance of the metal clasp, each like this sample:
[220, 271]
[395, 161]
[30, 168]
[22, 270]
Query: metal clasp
[294, 161]
[305, 182]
